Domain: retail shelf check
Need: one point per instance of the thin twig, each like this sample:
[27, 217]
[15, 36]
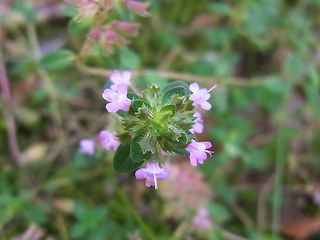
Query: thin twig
[262, 202]
[173, 76]
[8, 114]
[242, 215]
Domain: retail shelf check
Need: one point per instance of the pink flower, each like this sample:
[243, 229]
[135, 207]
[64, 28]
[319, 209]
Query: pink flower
[200, 96]
[86, 146]
[117, 99]
[108, 140]
[198, 126]
[198, 152]
[138, 7]
[120, 78]
[127, 28]
[202, 220]
[151, 173]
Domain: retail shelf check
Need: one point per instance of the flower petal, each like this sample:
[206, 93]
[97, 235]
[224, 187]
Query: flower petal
[141, 173]
[194, 87]
[163, 174]
[207, 144]
[206, 106]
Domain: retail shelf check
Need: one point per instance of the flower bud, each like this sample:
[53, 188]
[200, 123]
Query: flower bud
[95, 33]
[138, 7]
[111, 39]
[145, 113]
[87, 11]
[127, 28]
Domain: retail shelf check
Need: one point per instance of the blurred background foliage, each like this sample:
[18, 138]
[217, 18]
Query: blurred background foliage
[263, 181]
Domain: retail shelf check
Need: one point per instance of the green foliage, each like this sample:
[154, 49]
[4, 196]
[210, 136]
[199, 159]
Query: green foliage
[176, 88]
[122, 161]
[263, 54]
[57, 60]
[91, 223]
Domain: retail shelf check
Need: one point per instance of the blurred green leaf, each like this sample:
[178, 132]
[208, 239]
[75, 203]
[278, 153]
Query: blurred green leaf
[75, 26]
[69, 10]
[129, 59]
[220, 8]
[294, 66]
[219, 212]
[155, 78]
[57, 60]
[34, 213]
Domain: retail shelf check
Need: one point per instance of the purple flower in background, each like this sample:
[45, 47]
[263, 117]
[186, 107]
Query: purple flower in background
[198, 152]
[86, 146]
[198, 126]
[200, 96]
[108, 140]
[202, 220]
[151, 173]
[117, 99]
[120, 78]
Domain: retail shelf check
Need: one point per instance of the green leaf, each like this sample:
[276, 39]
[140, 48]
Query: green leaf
[155, 78]
[122, 161]
[168, 108]
[177, 136]
[70, 11]
[33, 213]
[294, 66]
[132, 96]
[129, 59]
[136, 151]
[175, 88]
[57, 60]
[219, 212]
[122, 113]
[138, 103]
[177, 149]
[220, 8]
[78, 26]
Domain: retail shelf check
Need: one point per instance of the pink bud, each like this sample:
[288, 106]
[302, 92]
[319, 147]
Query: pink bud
[87, 11]
[111, 38]
[127, 28]
[95, 33]
[138, 7]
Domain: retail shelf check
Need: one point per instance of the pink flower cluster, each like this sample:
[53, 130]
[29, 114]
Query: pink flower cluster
[198, 150]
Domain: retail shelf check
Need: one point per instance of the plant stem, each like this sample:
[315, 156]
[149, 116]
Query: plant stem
[8, 113]
[134, 213]
[174, 76]
[277, 194]
[52, 93]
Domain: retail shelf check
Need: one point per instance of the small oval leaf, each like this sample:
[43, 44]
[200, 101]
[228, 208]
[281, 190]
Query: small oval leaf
[122, 161]
[136, 151]
[57, 60]
[176, 88]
